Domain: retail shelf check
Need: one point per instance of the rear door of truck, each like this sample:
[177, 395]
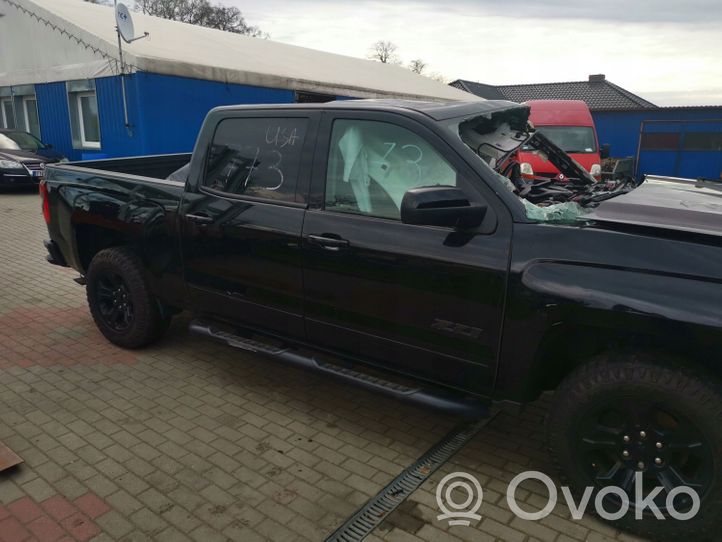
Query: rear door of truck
[242, 217]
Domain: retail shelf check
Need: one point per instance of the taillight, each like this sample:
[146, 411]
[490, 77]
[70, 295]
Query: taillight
[46, 204]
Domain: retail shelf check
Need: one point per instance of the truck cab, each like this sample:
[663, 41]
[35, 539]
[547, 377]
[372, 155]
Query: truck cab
[569, 124]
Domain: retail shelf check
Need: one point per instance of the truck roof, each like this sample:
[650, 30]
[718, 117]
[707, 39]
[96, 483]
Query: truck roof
[436, 110]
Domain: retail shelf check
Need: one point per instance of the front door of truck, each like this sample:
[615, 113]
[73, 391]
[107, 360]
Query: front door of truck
[422, 300]
[241, 222]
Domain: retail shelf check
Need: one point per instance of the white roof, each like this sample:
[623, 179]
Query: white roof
[59, 40]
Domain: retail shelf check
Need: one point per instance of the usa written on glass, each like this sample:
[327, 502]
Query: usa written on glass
[280, 136]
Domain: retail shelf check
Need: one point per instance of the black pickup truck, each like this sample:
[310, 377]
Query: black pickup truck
[376, 241]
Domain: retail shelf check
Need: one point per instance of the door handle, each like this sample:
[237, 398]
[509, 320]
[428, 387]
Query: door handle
[329, 243]
[199, 218]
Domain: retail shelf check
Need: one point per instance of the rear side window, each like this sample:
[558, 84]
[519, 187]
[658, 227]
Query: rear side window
[257, 157]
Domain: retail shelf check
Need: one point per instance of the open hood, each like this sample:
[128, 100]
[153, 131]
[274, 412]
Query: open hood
[670, 203]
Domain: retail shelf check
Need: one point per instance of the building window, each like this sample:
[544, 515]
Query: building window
[7, 113]
[660, 141]
[84, 118]
[32, 121]
[19, 109]
[88, 119]
[703, 141]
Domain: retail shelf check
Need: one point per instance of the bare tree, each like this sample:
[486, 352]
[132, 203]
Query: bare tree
[202, 13]
[417, 66]
[440, 77]
[384, 51]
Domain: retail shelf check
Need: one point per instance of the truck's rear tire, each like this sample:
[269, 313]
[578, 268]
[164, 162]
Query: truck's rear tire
[626, 413]
[120, 301]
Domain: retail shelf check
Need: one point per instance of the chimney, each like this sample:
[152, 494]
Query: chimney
[598, 78]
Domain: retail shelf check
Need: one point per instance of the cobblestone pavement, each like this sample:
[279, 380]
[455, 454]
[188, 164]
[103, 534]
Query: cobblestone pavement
[189, 439]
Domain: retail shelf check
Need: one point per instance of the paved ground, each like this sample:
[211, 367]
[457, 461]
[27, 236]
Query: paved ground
[192, 440]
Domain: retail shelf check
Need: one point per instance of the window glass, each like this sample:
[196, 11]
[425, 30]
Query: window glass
[89, 125]
[258, 157]
[8, 115]
[660, 141]
[20, 140]
[571, 139]
[703, 141]
[372, 164]
[32, 122]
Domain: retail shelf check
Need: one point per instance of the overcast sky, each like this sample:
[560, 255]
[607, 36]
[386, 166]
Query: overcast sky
[668, 51]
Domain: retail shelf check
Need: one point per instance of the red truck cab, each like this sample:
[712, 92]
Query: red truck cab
[569, 124]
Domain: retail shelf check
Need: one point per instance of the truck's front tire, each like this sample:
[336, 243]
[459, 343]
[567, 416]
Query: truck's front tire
[120, 301]
[625, 414]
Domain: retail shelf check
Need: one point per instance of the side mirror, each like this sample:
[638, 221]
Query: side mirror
[440, 206]
[604, 151]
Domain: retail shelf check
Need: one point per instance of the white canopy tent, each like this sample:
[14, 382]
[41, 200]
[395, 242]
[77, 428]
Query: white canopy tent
[59, 40]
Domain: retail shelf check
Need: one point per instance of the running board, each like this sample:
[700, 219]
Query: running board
[433, 397]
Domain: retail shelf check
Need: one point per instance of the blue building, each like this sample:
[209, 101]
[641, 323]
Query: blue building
[61, 78]
[672, 141]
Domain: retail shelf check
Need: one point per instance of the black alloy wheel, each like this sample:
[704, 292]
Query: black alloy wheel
[114, 301]
[626, 435]
[120, 299]
[625, 418]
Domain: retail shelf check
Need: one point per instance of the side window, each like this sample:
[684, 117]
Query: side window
[372, 164]
[258, 157]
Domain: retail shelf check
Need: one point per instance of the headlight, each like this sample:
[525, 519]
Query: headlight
[526, 170]
[596, 171]
[10, 164]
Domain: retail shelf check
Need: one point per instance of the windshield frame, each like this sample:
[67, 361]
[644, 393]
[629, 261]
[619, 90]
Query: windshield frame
[508, 143]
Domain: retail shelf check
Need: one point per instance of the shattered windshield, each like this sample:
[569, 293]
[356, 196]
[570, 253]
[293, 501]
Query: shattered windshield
[497, 137]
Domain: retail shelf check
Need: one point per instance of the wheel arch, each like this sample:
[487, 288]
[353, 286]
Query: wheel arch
[92, 238]
[566, 347]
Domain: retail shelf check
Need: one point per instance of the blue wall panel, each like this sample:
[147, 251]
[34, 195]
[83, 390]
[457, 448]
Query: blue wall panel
[621, 129]
[165, 112]
[695, 164]
[54, 118]
[172, 108]
[115, 138]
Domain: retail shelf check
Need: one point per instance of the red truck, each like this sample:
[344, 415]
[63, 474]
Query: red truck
[568, 124]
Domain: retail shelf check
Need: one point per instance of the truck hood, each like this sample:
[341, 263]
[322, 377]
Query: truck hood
[669, 203]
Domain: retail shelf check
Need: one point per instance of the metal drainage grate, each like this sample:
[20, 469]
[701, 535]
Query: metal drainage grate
[370, 516]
